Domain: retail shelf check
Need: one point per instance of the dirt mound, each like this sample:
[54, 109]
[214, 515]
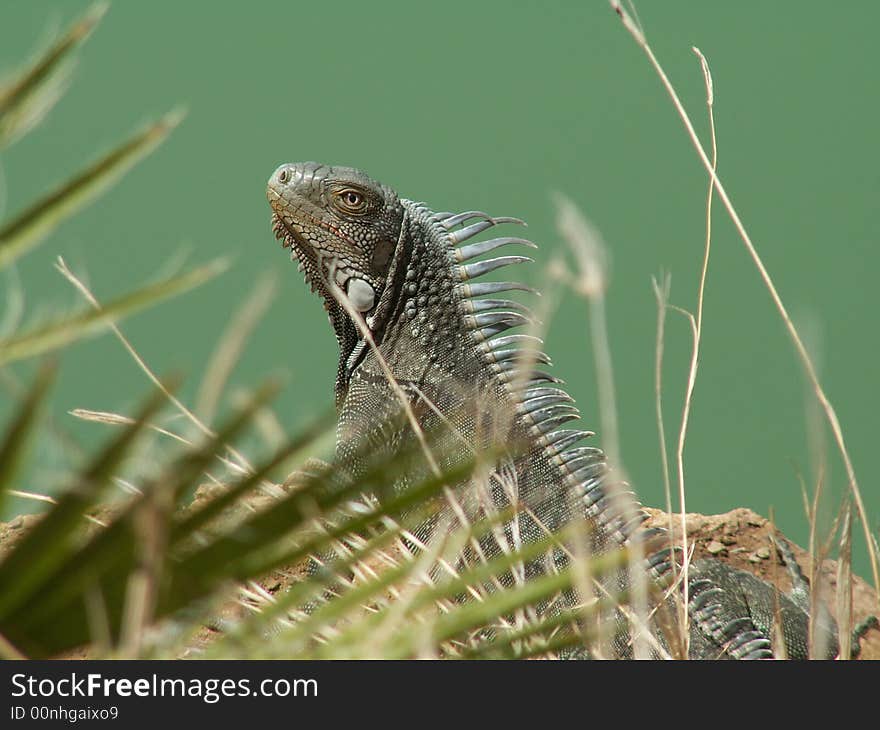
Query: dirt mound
[741, 538]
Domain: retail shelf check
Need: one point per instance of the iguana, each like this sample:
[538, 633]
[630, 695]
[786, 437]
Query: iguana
[412, 276]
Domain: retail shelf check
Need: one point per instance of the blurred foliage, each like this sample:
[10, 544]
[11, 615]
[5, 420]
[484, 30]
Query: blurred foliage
[143, 574]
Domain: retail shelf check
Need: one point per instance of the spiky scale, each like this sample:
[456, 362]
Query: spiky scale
[559, 413]
[548, 424]
[523, 368]
[477, 321]
[660, 559]
[614, 523]
[759, 648]
[520, 355]
[499, 219]
[520, 388]
[459, 218]
[533, 404]
[500, 342]
[700, 585]
[704, 599]
[463, 234]
[651, 533]
[479, 268]
[469, 291]
[581, 453]
[594, 484]
[563, 438]
[590, 463]
[554, 410]
[513, 368]
[734, 627]
[631, 525]
[472, 250]
[475, 306]
[452, 220]
[606, 499]
[620, 498]
[539, 392]
[708, 611]
[743, 635]
[539, 376]
[592, 469]
[598, 500]
[484, 333]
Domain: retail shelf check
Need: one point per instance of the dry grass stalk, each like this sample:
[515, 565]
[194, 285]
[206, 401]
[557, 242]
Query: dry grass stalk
[662, 291]
[231, 345]
[591, 282]
[844, 611]
[830, 414]
[243, 466]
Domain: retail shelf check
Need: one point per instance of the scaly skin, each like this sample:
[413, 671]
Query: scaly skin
[402, 266]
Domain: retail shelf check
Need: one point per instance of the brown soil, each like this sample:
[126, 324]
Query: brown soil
[741, 538]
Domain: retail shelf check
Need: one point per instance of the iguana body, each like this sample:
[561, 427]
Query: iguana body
[410, 274]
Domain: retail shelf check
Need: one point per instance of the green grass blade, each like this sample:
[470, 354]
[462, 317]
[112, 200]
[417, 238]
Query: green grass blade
[474, 615]
[263, 542]
[28, 98]
[479, 613]
[244, 552]
[17, 436]
[483, 572]
[347, 604]
[52, 538]
[194, 521]
[30, 226]
[569, 637]
[52, 617]
[194, 462]
[408, 639]
[565, 622]
[57, 334]
[309, 589]
[58, 620]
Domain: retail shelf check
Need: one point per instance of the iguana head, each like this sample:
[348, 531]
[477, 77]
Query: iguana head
[341, 225]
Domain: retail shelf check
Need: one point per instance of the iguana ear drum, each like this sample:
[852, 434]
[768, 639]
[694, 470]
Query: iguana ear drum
[381, 257]
[361, 294]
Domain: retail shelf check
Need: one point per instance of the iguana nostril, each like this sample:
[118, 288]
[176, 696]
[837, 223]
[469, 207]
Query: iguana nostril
[284, 175]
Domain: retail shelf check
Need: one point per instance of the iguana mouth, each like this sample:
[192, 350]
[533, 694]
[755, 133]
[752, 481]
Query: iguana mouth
[288, 237]
[305, 255]
[309, 262]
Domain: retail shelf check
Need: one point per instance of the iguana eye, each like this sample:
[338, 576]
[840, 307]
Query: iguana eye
[352, 198]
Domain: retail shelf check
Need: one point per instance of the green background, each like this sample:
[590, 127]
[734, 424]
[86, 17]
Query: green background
[490, 106]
